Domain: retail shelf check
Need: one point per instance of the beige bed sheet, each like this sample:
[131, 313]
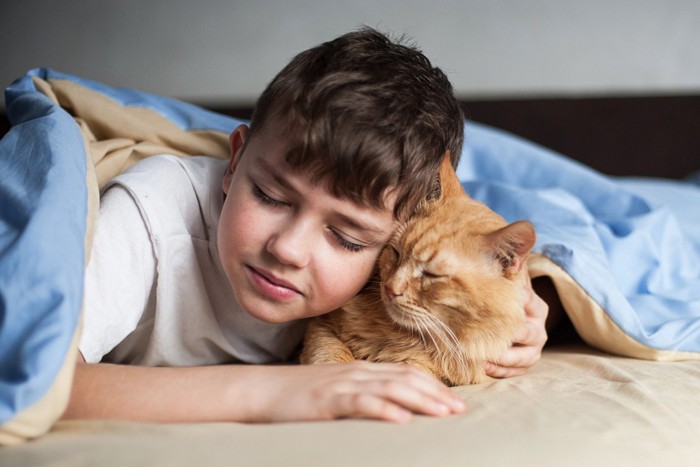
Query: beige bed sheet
[576, 407]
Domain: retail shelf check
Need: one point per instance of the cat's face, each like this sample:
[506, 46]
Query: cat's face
[443, 272]
[455, 264]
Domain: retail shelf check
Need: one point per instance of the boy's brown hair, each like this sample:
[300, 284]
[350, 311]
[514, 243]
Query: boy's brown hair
[366, 114]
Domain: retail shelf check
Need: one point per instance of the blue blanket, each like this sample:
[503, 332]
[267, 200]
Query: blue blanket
[632, 247]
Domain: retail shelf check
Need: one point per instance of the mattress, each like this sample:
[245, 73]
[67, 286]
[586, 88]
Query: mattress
[576, 407]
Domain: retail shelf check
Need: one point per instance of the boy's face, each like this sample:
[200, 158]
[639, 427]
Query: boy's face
[289, 248]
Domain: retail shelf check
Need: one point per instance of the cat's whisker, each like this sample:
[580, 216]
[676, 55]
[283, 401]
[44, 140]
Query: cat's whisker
[419, 328]
[434, 330]
[456, 347]
[376, 303]
[445, 350]
[427, 327]
[449, 340]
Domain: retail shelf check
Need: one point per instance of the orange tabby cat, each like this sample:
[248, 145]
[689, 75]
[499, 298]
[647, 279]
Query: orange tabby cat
[449, 295]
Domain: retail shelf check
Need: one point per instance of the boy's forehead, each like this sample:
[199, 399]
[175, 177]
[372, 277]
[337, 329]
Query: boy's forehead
[289, 177]
[276, 142]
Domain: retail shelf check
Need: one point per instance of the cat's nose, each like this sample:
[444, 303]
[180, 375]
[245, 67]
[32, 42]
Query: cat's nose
[390, 293]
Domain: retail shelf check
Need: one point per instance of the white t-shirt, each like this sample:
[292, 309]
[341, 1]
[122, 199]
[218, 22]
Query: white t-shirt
[155, 291]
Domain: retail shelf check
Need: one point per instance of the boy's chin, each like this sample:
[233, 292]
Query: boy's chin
[269, 313]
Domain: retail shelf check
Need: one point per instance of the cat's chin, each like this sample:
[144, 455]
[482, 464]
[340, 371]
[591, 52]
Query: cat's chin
[400, 317]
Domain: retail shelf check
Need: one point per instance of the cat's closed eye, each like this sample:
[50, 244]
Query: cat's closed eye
[426, 274]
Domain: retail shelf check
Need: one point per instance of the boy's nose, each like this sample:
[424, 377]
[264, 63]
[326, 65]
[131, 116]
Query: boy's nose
[291, 246]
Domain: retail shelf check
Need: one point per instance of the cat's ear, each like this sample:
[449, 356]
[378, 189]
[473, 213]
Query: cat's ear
[449, 183]
[511, 245]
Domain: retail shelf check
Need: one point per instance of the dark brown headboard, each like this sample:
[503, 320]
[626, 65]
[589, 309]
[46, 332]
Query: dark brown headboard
[646, 136]
[4, 124]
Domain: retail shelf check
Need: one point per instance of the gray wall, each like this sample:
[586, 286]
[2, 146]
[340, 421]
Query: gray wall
[218, 50]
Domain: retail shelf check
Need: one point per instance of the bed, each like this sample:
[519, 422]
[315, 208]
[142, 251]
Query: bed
[617, 385]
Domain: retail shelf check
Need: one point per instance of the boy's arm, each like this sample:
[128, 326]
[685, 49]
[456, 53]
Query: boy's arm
[252, 393]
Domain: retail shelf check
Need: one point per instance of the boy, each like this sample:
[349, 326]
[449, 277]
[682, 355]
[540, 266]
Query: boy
[199, 263]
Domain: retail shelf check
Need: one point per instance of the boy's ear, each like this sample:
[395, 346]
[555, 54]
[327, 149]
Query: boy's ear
[449, 183]
[237, 140]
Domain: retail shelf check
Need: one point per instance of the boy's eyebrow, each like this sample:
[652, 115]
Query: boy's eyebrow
[354, 223]
[273, 173]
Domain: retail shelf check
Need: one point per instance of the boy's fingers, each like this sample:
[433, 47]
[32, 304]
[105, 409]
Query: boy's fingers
[497, 371]
[520, 356]
[363, 405]
[532, 334]
[402, 380]
[396, 393]
[376, 390]
[515, 361]
[535, 307]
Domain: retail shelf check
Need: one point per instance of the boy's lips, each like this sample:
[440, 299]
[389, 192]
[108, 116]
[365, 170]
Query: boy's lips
[270, 285]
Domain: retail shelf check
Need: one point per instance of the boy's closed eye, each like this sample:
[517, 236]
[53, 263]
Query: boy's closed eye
[348, 245]
[336, 236]
[265, 198]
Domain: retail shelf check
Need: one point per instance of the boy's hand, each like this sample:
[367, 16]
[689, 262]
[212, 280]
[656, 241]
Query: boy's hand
[527, 347]
[384, 391]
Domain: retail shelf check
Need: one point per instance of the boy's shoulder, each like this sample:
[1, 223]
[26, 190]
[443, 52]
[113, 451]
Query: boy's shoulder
[175, 193]
[164, 170]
